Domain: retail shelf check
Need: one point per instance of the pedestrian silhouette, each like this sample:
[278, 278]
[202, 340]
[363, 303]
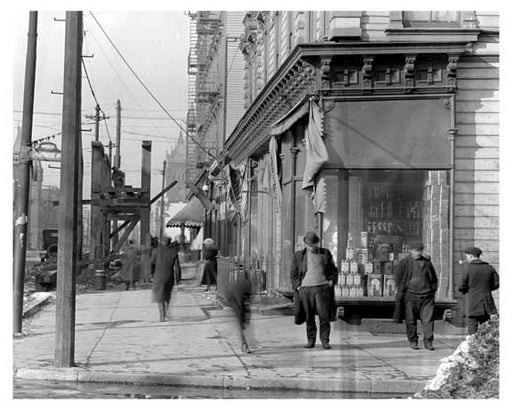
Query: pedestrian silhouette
[167, 265]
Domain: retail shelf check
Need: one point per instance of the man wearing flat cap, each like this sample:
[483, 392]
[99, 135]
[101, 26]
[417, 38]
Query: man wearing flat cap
[479, 279]
[313, 276]
[416, 281]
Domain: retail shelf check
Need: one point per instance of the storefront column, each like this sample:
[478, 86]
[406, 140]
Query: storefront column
[294, 150]
[453, 135]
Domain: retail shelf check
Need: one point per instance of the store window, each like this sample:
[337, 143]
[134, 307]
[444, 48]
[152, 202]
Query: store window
[373, 216]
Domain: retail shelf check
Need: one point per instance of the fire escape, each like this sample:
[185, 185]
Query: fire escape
[204, 90]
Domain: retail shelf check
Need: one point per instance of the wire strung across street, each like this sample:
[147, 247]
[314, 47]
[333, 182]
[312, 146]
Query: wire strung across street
[147, 89]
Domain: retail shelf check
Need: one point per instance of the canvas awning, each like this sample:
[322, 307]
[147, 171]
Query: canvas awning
[191, 216]
[291, 117]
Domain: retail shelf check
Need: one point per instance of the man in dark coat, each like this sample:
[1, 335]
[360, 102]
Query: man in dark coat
[210, 268]
[166, 266]
[313, 276]
[479, 279]
[417, 283]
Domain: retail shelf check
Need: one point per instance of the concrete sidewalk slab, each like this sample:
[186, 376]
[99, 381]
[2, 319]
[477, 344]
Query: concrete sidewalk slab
[119, 339]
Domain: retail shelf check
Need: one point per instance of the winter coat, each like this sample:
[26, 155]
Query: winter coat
[479, 279]
[403, 276]
[166, 266]
[297, 273]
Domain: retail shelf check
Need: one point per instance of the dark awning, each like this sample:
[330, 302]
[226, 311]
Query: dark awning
[400, 133]
[191, 216]
[291, 117]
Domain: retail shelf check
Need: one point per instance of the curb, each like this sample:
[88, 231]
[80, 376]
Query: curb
[342, 385]
[36, 307]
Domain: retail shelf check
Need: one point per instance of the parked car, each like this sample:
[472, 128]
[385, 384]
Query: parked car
[50, 244]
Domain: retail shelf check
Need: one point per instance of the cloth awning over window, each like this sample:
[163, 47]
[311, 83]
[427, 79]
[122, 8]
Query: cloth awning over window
[402, 133]
[291, 117]
[191, 216]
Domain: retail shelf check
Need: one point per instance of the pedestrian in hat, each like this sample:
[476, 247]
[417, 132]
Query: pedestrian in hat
[313, 276]
[479, 279]
[416, 282]
[167, 266]
[210, 253]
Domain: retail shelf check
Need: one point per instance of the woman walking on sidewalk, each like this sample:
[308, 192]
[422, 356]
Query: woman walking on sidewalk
[167, 265]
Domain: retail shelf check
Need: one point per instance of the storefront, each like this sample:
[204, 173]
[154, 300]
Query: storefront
[385, 184]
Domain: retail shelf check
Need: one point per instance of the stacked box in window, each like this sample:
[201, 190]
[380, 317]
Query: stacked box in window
[389, 285]
[374, 284]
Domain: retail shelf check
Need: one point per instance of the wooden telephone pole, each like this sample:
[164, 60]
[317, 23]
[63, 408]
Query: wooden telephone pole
[22, 186]
[162, 205]
[70, 193]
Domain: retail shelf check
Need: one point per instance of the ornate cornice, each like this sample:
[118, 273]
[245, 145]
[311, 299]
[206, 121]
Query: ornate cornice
[309, 70]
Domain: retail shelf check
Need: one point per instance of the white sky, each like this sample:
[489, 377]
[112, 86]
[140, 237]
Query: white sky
[155, 44]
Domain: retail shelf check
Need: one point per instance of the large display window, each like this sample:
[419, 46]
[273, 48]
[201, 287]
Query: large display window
[372, 217]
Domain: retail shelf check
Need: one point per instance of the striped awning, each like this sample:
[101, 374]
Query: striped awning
[191, 216]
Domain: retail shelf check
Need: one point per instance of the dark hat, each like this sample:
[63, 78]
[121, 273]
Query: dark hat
[471, 250]
[417, 246]
[311, 238]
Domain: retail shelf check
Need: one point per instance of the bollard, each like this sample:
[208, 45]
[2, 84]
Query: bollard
[100, 280]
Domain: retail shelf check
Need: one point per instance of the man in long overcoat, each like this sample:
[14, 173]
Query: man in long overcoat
[313, 276]
[167, 265]
[416, 282]
[479, 279]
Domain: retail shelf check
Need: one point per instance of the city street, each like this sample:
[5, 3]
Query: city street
[120, 340]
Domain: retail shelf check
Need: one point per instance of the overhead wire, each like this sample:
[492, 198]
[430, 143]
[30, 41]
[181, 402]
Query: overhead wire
[120, 79]
[147, 89]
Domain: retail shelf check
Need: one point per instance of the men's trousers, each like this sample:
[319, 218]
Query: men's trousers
[474, 321]
[316, 300]
[419, 307]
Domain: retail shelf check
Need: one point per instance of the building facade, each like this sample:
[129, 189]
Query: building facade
[375, 129]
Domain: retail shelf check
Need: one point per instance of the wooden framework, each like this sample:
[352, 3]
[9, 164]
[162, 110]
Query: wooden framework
[125, 203]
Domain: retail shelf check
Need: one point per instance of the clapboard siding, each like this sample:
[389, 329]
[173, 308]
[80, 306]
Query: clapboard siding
[488, 20]
[473, 106]
[477, 153]
[477, 141]
[476, 176]
[478, 188]
[487, 234]
[477, 164]
[490, 222]
[477, 210]
[476, 199]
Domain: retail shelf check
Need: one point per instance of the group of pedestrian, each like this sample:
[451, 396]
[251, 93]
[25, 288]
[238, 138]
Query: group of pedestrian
[313, 277]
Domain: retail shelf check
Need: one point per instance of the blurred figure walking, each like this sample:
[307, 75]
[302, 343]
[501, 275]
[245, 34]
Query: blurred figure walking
[238, 298]
[167, 265]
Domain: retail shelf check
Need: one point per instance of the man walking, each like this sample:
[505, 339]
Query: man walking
[313, 276]
[167, 266]
[479, 279]
[416, 281]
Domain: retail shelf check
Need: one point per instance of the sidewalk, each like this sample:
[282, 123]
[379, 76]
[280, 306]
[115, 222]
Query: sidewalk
[118, 338]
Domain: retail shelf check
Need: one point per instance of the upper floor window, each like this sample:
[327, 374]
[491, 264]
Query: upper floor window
[431, 18]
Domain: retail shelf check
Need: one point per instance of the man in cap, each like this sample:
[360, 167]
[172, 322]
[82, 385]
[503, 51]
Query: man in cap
[479, 279]
[210, 268]
[416, 281]
[313, 276]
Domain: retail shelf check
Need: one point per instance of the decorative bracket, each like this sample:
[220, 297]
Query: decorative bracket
[367, 72]
[451, 72]
[409, 73]
[325, 72]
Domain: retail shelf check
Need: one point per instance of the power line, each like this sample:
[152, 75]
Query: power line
[147, 89]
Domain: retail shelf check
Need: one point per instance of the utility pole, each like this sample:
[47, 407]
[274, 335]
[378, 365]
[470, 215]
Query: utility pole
[162, 205]
[23, 183]
[69, 197]
[110, 152]
[117, 162]
[97, 120]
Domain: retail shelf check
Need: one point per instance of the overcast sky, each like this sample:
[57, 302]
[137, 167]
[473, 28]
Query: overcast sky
[154, 43]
